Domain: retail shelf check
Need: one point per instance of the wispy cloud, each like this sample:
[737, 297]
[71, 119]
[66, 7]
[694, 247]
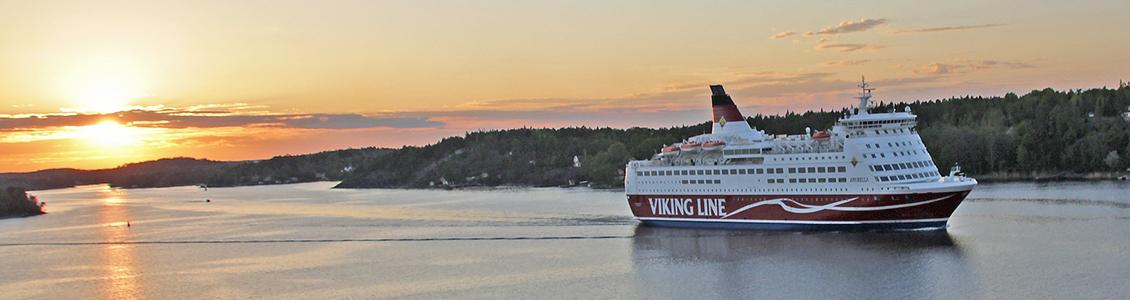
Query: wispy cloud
[949, 28]
[847, 47]
[845, 63]
[966, 66]
[850, 26]
[782, 35]
[213, 118]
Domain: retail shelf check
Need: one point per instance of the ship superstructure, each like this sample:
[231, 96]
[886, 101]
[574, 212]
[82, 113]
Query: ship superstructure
[868, 170]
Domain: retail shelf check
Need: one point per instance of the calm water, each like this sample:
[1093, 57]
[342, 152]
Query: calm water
[1016, 240]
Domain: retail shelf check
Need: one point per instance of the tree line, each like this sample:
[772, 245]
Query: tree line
[15, 202]
[1044, 132]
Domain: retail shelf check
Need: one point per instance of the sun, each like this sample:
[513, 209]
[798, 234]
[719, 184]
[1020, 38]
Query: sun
[110, 134]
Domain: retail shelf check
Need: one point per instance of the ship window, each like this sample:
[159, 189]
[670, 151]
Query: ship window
[881, 155]
[760, 171]
[725, 172]
[811, 169]
[718, 181]
[668, 173]
[781, 171]
[821, 180]
[792, 180]
[843, 179]
[769, 170]
[801, 170]
[868, 146]
[639, 173]
[684, 181]
[717, 172]
[822, 170]
[903, 165]
[741, 171]
[841, 169]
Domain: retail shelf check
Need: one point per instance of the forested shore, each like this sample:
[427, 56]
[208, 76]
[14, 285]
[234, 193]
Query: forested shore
[1044, 134]
[15, 202]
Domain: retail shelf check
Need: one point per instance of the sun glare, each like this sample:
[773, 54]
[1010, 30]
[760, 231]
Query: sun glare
[104, 88]
[110, 134]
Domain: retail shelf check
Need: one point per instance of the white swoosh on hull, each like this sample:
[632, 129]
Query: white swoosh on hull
[807, 209]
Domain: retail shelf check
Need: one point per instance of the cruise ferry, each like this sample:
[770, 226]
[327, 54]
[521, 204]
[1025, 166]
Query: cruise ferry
[870, 170]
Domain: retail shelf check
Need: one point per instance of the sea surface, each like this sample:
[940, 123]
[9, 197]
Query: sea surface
[308, 241]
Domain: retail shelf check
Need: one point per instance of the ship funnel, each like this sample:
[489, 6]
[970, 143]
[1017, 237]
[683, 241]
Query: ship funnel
[724, 107]
[728, 121]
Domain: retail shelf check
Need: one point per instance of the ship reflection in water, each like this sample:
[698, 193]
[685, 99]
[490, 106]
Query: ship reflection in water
[700, 263]
[119, 280]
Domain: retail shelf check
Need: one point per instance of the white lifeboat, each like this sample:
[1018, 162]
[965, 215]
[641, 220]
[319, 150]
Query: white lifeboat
[690, 147]
[713, 146]
[669, 151]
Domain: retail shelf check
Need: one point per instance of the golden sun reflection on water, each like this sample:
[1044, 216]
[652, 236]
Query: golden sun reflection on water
[121, 278]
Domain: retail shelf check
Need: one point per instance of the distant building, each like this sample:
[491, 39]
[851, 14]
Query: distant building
[576, 161]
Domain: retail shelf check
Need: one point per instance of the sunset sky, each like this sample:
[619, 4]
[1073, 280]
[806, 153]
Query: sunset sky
[94, 84]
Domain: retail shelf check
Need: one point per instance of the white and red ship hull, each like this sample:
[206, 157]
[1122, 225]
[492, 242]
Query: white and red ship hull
[798, 212]
[870, 170]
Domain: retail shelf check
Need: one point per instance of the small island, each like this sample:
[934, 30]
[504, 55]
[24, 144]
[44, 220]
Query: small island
[15, 202]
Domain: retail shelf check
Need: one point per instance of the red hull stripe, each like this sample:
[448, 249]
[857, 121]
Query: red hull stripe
[798, 222]
[799, 208]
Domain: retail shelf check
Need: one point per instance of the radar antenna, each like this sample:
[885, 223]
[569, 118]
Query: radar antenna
[865, 96]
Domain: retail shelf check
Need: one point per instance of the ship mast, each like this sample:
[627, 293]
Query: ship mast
[865, 96]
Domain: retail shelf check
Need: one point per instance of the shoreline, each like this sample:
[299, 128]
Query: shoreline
[1049, 177]
[988, 178]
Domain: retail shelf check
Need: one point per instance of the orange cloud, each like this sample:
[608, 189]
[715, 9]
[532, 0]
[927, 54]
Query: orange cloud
[782, 35]
[950, 28]
[844, 63]
[847, 47]
[966, 66]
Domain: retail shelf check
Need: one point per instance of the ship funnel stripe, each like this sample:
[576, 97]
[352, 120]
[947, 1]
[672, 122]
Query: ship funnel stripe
[729, 112]
[723, 105]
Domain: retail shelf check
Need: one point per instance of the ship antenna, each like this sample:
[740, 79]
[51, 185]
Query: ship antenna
[865, 96]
